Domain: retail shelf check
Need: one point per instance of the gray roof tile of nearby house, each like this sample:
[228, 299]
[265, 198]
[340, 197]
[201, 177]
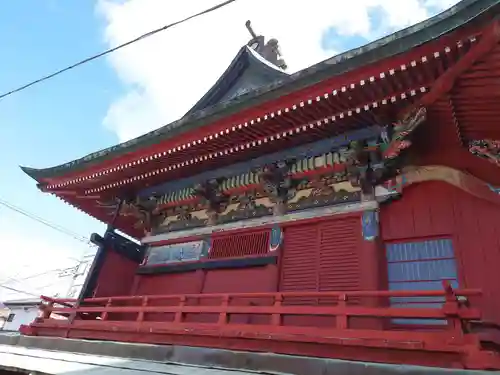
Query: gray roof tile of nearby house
[22, 302]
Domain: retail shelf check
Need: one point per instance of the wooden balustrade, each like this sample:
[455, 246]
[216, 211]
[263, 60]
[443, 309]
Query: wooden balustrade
[452, 310]
[266, 322]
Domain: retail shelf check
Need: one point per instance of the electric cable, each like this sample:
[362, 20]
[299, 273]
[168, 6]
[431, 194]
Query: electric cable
[47, 223]
[19, 291]
[39, 274]
[59, 228]
[111, 50]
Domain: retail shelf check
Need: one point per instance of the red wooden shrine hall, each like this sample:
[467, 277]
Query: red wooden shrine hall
[349, 210]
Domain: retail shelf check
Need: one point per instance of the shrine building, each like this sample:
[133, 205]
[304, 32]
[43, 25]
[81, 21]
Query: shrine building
[348, 211]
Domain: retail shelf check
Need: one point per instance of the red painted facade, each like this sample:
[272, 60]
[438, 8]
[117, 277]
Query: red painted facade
[327, 289]
[116, 276]
[438, 210]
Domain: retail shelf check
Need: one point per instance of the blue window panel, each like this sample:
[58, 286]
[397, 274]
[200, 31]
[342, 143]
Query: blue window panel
[429, 249]
[428, 270]
[420, 265]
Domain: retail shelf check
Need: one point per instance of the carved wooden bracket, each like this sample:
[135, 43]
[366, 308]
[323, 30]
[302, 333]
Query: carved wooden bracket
[276, 182]
[365, 166]
[215, 199]
[144, 210]
[488, 149]
[397, 136]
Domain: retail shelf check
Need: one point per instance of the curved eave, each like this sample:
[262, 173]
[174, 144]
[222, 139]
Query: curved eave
[33, 173]
[392, 45]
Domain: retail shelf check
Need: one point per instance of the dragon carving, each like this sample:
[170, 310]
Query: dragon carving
[397, 136]
[487, 149]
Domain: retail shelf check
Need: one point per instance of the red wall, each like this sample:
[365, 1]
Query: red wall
[116, 275]
[436, 209]
[239, 280]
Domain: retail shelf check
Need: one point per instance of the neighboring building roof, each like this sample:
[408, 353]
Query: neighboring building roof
[23, 302]
[210, 109]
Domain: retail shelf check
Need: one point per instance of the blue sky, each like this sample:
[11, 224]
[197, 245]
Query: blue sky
[143, 87]
[53, 122]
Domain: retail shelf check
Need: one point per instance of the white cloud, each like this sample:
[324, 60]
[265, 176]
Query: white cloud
[29, 253]
[168, 72]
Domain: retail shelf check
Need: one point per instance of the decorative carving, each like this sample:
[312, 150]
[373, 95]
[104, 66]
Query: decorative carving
[397, 136]
[247, 208]
[369, 225]
[144, 210]
[488, 149]
[216, 201]
[182, 221]
[322, 189]
[285, 185]
[276, 238]
[364, 165]
[277, 182]
[324, 194]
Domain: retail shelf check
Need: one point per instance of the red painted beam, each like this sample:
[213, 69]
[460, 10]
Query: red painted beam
[490, 37]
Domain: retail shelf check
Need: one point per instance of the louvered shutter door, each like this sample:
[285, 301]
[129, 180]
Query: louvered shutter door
[339, 263]
[322, 257]
[300, 259]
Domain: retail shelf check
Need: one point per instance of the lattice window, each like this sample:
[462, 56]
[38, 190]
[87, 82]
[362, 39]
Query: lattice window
[240, 245]
[420, 265]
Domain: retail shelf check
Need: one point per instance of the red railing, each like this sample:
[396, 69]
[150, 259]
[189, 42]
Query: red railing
[344, 319]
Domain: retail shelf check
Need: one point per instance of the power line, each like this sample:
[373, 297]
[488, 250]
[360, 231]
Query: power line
[19, 291]
[46, 223]
[111, 50]
[39, 274]
[75, 273]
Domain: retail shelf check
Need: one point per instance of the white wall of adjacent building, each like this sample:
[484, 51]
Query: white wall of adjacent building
[20, 315]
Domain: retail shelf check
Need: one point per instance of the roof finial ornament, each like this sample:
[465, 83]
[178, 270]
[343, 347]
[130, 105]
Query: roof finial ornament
[270, 50]
[248, 24]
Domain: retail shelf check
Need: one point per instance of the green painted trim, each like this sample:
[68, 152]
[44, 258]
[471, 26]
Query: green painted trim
[250, 178]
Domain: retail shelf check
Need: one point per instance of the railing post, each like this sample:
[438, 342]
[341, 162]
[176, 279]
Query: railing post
[104, 315]
[276, 317]
[140, 316]
[223, 314]
[180, 313]
[47, 310]
[450, 309]
[342, 318]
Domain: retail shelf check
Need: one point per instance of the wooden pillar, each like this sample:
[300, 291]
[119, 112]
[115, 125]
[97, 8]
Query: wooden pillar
[371, 257]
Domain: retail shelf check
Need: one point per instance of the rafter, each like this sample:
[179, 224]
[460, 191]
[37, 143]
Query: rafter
[490, 37]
